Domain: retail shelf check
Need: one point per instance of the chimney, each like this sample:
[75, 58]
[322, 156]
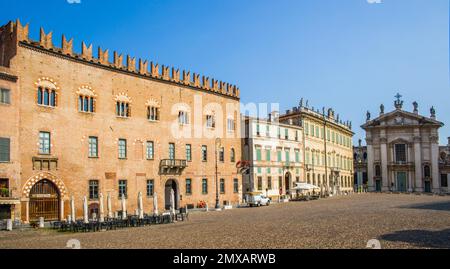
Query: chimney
[270, 117]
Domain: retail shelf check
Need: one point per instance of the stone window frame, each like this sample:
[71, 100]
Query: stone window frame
[123, 105]
[5, 96]
[86, 92]
[153, 110]
[43, 85]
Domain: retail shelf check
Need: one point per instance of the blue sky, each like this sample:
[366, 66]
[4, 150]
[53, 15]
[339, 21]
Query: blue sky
[345, 54]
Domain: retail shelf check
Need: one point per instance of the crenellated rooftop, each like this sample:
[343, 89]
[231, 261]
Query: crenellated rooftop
[141, 67]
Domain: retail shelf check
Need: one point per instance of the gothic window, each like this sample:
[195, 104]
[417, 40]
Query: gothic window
[231, 125]
[86, 99]
[210, 121]
[183, 117]
[153, 110]
[46, 92]
[123, 105]
[233, 156]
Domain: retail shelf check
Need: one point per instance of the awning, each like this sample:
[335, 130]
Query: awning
[305, 187]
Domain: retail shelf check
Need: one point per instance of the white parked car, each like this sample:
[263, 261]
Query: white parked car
[257, 199]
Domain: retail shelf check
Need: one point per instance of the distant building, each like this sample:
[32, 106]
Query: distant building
[444, 166]
[327, 148]
[403, 151]
[360, 166]
[274, 151]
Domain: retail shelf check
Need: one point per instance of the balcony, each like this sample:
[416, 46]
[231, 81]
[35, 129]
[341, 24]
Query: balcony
[45, 163]
[172, 167]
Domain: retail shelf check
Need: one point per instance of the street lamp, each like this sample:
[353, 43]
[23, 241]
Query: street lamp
[218, 144]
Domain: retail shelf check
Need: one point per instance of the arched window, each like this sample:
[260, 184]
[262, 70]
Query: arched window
[153, 110]
[46, 92]
[427, 171]
[377, 170]
[123, 106]
[86, 99]
[233, 155]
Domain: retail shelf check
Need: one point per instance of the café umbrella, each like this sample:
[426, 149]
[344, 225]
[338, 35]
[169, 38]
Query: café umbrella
[172, 201]
[155, 204]
[85, 210]
[141, 206]
[72, 208]
[108, 204]
[102, 209]
[124, 207]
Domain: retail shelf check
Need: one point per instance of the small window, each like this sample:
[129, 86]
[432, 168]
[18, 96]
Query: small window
[172, 151]
[204, 153]
[188, 186]
[427, 171]
[222, 155]
[188, 153]
[93, 147]
[5, 97]
[260, 184]
[236, 185]
[122, 148]
[86, 103]
[46, 96]
[123, 109]
[123, 188]
[93, 189]
[183, 117]
[210, 121]
[204, 186]
[222, 186]
[444, 180]
[44, 143]
[233, 156]
[231, 125]
[150, 152]
[153, 113]
[150, 187]
[269, 183]
[377, 170]
[5, 149]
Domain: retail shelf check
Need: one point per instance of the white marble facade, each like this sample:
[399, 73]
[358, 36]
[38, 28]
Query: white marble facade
[403, 151]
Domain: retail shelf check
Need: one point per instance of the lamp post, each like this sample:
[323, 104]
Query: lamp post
[217, 146]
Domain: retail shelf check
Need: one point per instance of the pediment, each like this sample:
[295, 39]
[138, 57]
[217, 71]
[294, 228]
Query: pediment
[401, 118]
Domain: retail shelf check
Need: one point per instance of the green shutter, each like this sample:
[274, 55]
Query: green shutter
[5, 149]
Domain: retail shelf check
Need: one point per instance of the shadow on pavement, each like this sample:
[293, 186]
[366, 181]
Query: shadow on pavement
[421, 238]
[441, 206]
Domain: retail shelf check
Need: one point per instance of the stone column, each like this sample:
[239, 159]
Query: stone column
[384, 165]
[435, 165]
[61, 207]
[418, 164]
[370, 160]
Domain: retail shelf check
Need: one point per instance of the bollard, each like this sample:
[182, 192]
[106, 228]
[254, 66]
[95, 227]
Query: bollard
[9, 225]
[207, 208]
[94, 216]
[41, 222]
[69, 218]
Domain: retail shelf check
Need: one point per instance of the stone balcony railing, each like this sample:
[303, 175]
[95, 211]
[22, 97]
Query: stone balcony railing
[172, 167]
[7, 197]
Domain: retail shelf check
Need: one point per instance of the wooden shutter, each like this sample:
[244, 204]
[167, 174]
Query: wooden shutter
[4, 149]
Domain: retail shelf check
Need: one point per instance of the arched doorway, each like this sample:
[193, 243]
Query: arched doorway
[171, 185]
[44, 201]
[287, 183]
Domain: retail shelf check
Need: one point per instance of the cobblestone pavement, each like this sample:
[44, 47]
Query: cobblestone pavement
[398, 221]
